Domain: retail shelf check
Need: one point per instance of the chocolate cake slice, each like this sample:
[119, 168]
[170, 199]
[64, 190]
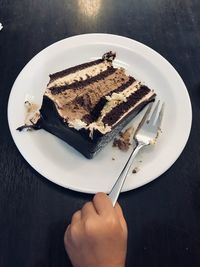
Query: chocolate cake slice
[89, 104]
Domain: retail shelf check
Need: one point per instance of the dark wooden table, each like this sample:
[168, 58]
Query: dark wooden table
[164, 216]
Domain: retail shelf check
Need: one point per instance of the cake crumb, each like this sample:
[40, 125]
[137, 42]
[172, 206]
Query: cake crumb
[32, 111]
[135, 170]
[153, 141]
[1, 26]
[124, 140]
[30, 107]
[121, 144]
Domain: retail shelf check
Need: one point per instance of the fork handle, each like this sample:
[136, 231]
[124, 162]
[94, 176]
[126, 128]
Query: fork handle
[115, 191]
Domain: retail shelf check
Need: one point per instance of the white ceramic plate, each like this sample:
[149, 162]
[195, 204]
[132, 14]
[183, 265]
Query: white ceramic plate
[64, 166]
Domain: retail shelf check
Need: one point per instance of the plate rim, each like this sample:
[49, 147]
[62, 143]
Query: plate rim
[104, 35]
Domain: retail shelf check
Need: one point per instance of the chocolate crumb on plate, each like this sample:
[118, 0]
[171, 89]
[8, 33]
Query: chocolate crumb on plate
[135, 170]
[124, 140]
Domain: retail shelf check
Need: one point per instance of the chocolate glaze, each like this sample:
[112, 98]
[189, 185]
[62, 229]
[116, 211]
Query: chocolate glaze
[29, 127]
[109, 56]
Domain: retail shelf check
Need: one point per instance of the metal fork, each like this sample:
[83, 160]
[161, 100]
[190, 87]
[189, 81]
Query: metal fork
[146, 134]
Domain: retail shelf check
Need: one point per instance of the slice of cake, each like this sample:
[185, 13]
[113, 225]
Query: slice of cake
[89, 104]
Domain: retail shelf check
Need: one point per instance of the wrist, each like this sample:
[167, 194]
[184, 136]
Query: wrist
[114, 265]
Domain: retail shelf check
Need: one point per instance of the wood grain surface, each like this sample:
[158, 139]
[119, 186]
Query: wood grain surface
[164, 216]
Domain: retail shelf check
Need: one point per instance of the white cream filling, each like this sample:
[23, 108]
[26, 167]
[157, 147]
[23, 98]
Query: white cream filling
[77, 124]
[99, 125]
[115, 99]
[80, 75]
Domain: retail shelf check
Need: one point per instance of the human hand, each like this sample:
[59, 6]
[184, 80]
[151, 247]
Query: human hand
[97, 235]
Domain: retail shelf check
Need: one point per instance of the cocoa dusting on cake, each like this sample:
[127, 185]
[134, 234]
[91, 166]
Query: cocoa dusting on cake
[124, 140]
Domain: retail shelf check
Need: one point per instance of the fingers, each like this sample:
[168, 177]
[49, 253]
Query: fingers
[76, 217]
[88, 210]
[102, 204]
[67, 235]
